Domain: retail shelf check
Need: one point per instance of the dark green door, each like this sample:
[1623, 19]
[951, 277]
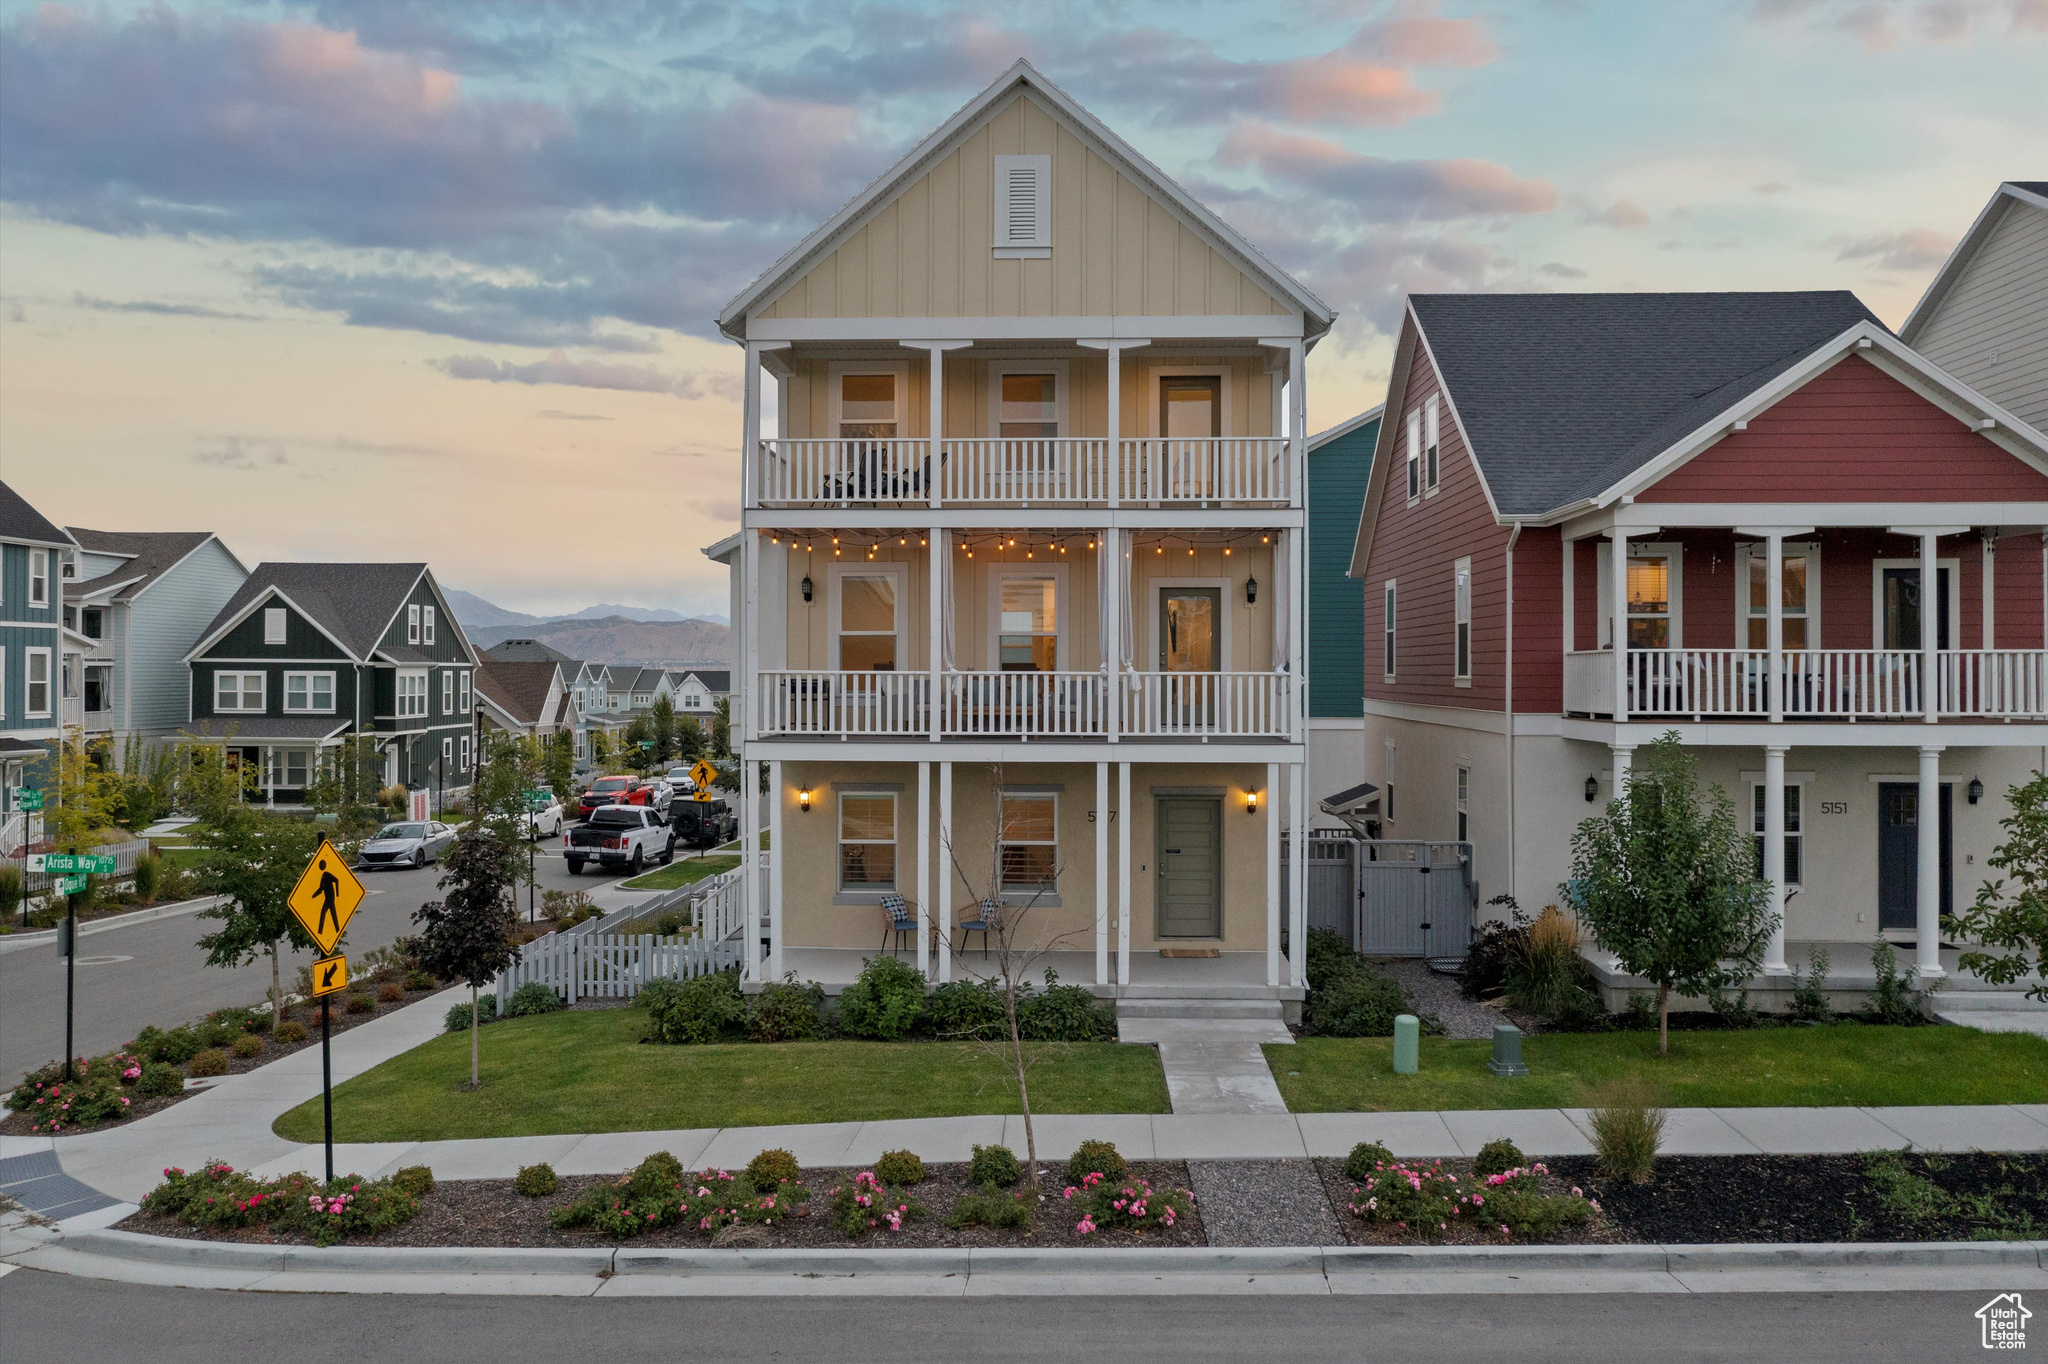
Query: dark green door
[1190, 876]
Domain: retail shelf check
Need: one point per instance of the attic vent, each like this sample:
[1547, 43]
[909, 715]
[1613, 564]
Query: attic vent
[1023, 207]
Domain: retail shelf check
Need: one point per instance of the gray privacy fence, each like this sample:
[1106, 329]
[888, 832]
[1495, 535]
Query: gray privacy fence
[1390, 897]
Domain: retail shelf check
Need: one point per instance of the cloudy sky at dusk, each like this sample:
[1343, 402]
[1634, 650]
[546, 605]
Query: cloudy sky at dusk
[406, 280]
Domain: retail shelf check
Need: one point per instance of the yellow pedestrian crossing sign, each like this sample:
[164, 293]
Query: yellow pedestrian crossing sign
[703, 776]
[326, 897]
[329, 975]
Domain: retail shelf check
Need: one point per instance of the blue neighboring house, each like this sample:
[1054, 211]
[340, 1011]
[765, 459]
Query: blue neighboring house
[1339, 469]
[35, 556]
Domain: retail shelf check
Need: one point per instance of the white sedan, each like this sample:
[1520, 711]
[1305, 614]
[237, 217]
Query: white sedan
[544, 820]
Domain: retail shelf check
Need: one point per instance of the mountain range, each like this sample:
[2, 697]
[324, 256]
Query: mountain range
[650, 637]
[475, 613]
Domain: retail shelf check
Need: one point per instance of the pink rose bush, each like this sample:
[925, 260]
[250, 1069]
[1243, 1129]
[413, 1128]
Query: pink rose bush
[867, 1204]
[219, 1197]
[1130, 1204]
[1424, 1200]
[660, 1193]
[101, 1091]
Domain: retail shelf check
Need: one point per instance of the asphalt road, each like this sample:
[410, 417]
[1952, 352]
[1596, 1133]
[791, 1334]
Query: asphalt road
[122, 1322]
[154, 972]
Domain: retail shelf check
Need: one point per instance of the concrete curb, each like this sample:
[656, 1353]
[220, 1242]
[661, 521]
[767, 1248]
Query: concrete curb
[22, 942]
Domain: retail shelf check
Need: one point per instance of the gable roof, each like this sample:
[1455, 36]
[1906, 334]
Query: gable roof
[353, 604]
[20, 521]
[1345, 427]
[519, 689]
[717, 681]
[528, 651]
[2034, 192]
[1560, 395]
[148, 555]
[1020, 78]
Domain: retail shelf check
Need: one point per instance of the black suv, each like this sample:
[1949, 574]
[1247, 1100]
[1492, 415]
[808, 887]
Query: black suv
[703, 823]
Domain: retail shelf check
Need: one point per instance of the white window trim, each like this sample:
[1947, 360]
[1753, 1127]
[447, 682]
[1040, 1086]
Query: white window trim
[839, 841]
[1222, 373]
[448, 691]
[1225, 659]
[1387, 786]
[447, 755]
[1461, 621]
[273, 615]
[1748, 551]
[1649, 549]
[38, 574]
[1955, 597]
[464, 757]
[1794, 781]
[1432, 446]
[1006, 244]
[1058, 369]
[28, 673]
[1390, 624]
[998, 574]
[1462, 794]
[309, 708]
[3, 686]
[839, 369]
[835, 574]
[1412, 471]
[241, 706]
[412, 624]
[1023, 890]
[462, 690]
[399, 697]
[426, 625]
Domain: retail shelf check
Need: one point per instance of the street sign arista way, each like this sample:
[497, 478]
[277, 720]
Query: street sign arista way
[326, 897]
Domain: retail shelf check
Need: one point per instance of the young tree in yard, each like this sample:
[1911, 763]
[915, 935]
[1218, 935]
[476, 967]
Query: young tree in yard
[689, 739]
[661, 725]
[346, 782]
[639, 733]
[212, 783]
[1666, 880]
[254, 860]
[2014, 917]
[601, 750]
[467, 935]
[83, 795]
[558, 765]
[719, 745]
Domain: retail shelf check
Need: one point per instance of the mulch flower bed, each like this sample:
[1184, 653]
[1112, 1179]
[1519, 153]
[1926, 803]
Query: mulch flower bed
[1342, 1192]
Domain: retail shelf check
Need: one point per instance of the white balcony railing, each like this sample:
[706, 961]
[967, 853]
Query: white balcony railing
[1068, 470]
[1027, 705]
[1207, 705]
[1815, 684]
[845, 704]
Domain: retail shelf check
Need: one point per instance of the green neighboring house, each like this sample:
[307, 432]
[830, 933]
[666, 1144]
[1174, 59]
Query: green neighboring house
[1339, 469]
[305, 656]
[35, 556]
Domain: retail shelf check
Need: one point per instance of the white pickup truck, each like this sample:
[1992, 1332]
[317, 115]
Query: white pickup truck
[630, 834]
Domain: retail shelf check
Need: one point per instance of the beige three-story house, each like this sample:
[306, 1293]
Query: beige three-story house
[1019, 582]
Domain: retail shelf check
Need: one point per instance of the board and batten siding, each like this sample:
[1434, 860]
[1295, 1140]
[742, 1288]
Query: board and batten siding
[1115, 249]
[1339, 477]
[1851, 426]
[1419, 547]
[1998, 306]
[162, 623]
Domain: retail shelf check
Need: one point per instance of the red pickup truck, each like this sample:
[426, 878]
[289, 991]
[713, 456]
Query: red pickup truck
[614, 791]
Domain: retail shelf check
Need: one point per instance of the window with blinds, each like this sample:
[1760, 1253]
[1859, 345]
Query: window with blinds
[1023, 207]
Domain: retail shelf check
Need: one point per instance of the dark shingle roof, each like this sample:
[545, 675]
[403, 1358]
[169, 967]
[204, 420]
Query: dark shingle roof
[2030, 186]
[20, 521]
[530, 651]
[521, 689]
[261, 727]
[149, 554]
[352, 602]
[1563, 394]
[717, 681]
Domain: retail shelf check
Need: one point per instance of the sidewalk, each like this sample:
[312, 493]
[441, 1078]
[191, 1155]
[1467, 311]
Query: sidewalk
[231, 1122]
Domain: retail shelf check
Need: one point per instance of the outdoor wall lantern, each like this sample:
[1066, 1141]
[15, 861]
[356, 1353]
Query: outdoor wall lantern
[1251, 802]
[803, 799]
[807, 587]
[1976, 789]
[1592, 788]
[1251, 591]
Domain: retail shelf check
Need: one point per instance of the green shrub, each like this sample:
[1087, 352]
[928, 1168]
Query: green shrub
[247, 1046]
[1360, 1003]
[1065, 1013]
[1810, 990]
[885, 1003]
[1124, 1204]
[457, 1017]
[159, 1081]
[649, 1198]
[1640, 1013]
[533, 998]
[222, 1024]
[900, 1167]
[359, 1004]
[867, 1204]
[965, 1009]
[417, 1180]
[1513, 1203]
[98, 1095]
[12, 890]
[1547, 976]
[994, 1167]
[989, 1206]
[695, 1012]
[772, 1167]
[1734, 1010]
[535, 1181]
[149, 877]
[212, 1061]
[1095, 1158]
[1366, 1157]
[1627, 1129]
[175, 1045]
[670, 925]
[1418, 1197]
[1893, 998]
[785, 1011]
[220, 1196]
[1497, 1157]
[416, 979]
[657, 1174]
[291, 1032]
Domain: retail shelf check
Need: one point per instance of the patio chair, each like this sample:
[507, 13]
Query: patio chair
[986, 915]
[897, 918]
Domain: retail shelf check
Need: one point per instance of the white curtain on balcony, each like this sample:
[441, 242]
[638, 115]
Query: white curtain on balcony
[947, 613]
[1127, 622]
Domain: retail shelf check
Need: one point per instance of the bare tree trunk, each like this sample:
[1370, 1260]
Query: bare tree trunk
[1023, 1086]
[276, 990]
[474, 1083]
[1664, 1019]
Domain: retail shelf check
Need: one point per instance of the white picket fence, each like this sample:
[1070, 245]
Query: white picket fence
[586, 962]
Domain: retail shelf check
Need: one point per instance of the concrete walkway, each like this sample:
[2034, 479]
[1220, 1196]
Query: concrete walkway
[231, 1122]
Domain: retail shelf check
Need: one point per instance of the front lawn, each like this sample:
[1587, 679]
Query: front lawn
[1841, 1064]
[584, 1070]
[683, 871]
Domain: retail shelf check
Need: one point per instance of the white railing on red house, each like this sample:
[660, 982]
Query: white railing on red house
[1994, 683]
[1207, 705]
[1027, 705]
[1814, 684]
[845, 704]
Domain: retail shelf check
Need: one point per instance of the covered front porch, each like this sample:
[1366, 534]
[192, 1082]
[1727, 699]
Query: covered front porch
[1229, 975]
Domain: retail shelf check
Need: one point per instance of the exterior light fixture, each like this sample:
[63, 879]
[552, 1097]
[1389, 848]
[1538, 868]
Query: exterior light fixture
[808, 588]
[1251, 591]
[1251, 802]
[1592, 788]
[803, 799]
[1976, 789]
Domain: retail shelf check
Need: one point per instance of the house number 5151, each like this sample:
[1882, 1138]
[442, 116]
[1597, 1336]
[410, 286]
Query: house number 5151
[1834, 807]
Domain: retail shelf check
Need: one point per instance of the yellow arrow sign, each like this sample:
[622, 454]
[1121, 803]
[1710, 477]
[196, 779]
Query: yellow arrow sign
[326, 897]
[329, 975]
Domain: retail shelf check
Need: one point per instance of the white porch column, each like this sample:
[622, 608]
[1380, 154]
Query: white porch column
[945, 872]
[937, 565]
[1272, 801]
[1123, 874]
[1930, 653]
[1296, 600]
[750, 864]
[1987, 597]
[1624, 755]
[924, 869]
[1113, 353]
[750, 635]
[936, 432]
[750, 428]
[1927, 883]
[1111, 567]
[1102, 873]
[777, 855]
[1618, 601]
[1297, 872]
[1774, 637]
[1774, 851]
[1297, 423]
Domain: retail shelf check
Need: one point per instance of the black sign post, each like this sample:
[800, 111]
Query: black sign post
[70, 966]
[327, 1085]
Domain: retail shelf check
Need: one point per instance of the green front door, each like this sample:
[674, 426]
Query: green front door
[1190, 862]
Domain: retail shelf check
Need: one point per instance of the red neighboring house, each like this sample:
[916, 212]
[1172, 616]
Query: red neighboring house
[1751, 492]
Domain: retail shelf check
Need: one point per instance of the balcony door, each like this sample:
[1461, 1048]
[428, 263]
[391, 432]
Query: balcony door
[1190, 654]
[1190, 416]
[1902, 608]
